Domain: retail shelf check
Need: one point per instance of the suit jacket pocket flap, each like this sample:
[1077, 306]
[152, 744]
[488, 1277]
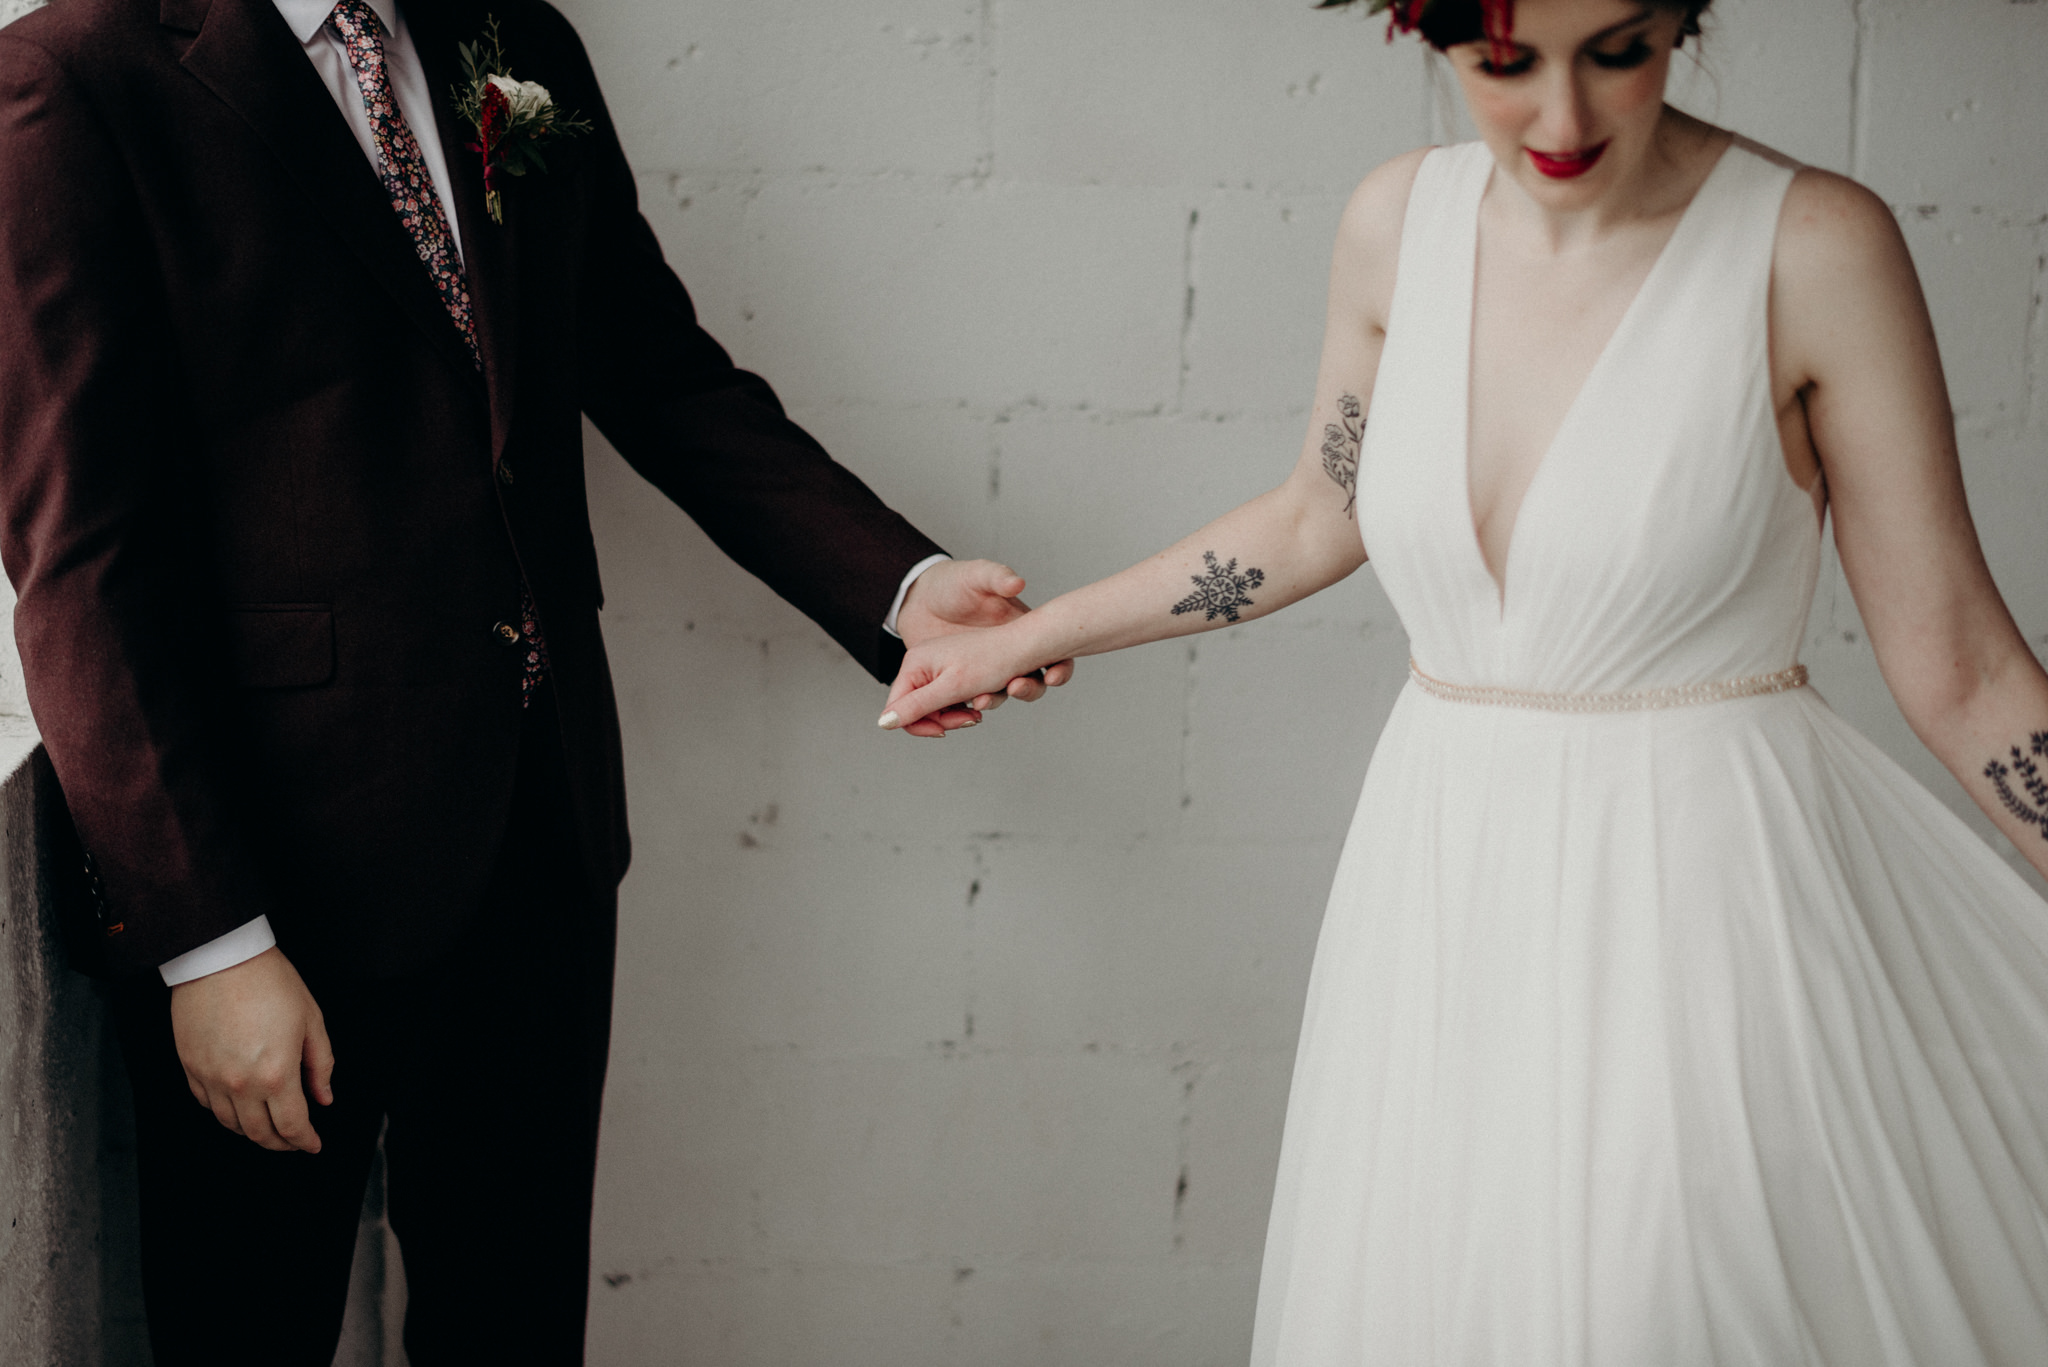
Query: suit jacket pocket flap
[284, 645]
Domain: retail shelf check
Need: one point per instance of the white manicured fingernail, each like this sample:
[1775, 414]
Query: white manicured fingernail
[889, 721]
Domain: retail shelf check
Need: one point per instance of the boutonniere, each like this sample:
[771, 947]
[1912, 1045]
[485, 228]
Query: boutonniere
[514, 119]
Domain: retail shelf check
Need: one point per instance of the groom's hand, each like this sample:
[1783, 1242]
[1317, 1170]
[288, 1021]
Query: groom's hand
[244, 1034]
[962, 595]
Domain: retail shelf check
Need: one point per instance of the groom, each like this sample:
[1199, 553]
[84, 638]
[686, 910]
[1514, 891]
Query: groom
[291, 490]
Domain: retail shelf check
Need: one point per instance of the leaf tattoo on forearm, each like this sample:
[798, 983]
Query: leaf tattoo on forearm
[2033, 807]
[1341, 441]
[1220, 592]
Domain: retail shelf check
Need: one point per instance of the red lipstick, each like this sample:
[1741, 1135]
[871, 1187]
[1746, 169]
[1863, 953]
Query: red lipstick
[1566, 165]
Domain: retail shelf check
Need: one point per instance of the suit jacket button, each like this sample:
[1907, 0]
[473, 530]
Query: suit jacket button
[507, 632]
[504, 472]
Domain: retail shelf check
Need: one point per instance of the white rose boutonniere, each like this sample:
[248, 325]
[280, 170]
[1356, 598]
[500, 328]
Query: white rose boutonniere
[514, 119]
[529, 99]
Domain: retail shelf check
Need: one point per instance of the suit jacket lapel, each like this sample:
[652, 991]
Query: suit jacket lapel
[247, 56]
[489, 250]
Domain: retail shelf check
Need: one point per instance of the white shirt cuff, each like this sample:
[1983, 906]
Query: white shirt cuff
[239, 945]
[903, 591]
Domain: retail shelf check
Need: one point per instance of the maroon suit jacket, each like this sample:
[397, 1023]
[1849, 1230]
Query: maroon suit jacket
[262, 513]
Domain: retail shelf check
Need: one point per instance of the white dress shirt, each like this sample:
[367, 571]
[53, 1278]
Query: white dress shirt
[323, 48]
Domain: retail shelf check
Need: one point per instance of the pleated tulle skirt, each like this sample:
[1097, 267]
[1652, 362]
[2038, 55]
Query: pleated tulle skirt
[1674, 1038]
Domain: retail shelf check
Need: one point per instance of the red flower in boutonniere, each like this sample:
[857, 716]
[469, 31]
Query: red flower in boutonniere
[513, 119]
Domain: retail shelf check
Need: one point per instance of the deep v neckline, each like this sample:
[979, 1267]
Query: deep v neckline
[1601, 362]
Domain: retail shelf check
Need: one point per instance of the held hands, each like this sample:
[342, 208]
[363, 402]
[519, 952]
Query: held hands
[961, 598]
[244, 1034]
[948, 670]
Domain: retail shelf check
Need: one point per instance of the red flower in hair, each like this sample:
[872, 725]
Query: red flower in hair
[1405, 16]
[1496, 20]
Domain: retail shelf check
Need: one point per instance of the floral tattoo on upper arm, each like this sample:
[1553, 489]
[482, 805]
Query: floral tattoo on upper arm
[1220, 592]
[1341, 441]
[2032, 808]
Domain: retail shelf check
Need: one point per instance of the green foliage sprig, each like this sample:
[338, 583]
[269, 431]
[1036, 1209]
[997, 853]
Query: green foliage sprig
[515, 121]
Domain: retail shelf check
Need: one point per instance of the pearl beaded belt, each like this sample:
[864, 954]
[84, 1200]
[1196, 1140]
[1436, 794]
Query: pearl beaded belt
[1633, 700]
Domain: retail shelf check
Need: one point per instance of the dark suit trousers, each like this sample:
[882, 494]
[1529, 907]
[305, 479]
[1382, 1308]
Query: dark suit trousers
[489, 1068]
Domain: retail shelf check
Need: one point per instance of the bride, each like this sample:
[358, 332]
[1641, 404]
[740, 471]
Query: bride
[1658, 1020]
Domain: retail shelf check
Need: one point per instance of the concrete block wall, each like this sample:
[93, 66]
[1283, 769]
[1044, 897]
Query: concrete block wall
[976, 1052]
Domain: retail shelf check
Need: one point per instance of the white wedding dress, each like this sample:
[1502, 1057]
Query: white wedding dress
[1692, 1034]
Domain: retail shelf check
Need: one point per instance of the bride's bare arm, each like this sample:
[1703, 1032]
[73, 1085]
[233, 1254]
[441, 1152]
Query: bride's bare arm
[1848, 314]
[1279, 548]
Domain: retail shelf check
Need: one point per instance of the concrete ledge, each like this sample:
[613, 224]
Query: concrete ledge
[51, 1034]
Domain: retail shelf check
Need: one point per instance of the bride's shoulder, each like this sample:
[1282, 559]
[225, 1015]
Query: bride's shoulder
[1372, 219]
[1841, 274]
[1368, 248]
[1824, 215]
[1825, 210]
[1369, 234]
[1834, 233]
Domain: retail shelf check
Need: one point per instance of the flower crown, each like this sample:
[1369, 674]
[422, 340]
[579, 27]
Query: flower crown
[1496, 20]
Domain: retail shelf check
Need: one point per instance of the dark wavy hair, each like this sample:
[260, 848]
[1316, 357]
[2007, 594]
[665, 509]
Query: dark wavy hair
[1447, 23]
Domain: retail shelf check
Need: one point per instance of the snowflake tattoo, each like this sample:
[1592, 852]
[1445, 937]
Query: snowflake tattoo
[2033, 808]
[1340, 449]
[1220, 592]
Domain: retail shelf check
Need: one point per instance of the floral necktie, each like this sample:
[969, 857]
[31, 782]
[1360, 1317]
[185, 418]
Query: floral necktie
[413, 199]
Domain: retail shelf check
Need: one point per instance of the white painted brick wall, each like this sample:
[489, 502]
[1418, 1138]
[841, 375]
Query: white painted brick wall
[976, 1053]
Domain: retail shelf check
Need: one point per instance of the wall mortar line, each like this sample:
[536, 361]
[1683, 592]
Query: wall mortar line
[1187, 309]
[2035, 343]
[986, 36]
[1859, 76]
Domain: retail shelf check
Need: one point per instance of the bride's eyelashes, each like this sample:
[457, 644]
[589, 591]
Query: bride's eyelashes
[1634, 55]
[1630, 57]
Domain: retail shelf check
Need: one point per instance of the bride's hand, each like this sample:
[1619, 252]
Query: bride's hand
[944, 671]
[967, 595]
